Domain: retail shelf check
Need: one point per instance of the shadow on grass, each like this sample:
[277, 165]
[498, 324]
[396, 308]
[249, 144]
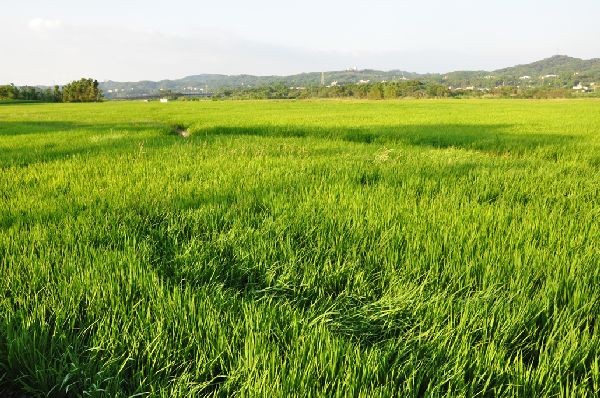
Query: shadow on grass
[12, 392]
[51, 127]
[12, 128]
[37, 142]
[481, 137]
[214, 262]
[22, 102]
[54, 140]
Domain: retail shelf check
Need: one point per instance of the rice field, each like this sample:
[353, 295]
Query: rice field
[300, 249]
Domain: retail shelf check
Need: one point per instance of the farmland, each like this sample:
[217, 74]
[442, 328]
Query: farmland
[300, 248]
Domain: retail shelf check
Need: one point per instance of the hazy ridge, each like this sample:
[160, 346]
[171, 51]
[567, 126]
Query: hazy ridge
[563, 69]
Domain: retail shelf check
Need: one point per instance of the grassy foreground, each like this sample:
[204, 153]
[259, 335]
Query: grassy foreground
[326, 248]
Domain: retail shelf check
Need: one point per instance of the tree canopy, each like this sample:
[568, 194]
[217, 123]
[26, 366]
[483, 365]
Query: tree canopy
[83, 90]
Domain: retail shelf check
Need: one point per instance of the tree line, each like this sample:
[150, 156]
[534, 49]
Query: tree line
[389, 90]
[83, 90]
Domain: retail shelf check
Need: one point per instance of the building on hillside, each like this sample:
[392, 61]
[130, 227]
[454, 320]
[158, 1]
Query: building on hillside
[525, 77]
[164, 100]
[582, 88]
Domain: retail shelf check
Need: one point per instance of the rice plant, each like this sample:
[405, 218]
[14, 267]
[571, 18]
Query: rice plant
[310, 248]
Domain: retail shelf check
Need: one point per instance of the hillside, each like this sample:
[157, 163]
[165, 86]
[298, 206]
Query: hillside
[557, 71]
[211, 82]
[558, 64]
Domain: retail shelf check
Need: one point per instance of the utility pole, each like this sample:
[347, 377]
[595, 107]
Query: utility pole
[322, 78]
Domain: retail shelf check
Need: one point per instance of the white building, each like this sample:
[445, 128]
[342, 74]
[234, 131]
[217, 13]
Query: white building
[582, 88]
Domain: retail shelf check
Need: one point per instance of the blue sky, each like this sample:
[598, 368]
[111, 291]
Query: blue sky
[60, 40]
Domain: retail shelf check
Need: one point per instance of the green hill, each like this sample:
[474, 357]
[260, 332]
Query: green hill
[558, 64]
[556, 71]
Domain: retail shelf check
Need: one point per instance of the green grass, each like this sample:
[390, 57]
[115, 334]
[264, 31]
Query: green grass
[318, 248]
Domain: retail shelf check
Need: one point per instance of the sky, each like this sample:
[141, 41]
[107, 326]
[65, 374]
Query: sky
[53, 42]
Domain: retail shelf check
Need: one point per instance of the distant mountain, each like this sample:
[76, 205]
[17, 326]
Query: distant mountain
[556, 65]
[212, 82]
[558, 71]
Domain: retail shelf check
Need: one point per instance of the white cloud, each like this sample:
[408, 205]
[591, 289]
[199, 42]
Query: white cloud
[42, 25]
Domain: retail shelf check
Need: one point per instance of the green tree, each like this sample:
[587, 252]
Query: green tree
[390, 91]
[57, 94]
[8, 92]
[376, 92]
[437, 90]
[83, 90]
